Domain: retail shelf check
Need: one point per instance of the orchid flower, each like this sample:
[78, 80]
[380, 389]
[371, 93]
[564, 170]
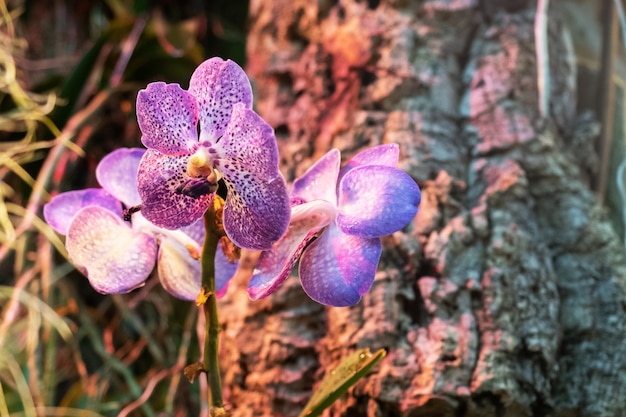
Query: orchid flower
[337, 219]
[117, 256]
[179, 173]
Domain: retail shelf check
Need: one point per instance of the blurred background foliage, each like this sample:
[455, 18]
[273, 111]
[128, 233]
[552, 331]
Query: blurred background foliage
[69, 74]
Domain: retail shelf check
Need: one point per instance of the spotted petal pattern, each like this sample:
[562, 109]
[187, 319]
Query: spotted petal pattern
[256, 213]
[105, 249]
[233, 140]
[167, 116]
[158, 179]
[218, 85]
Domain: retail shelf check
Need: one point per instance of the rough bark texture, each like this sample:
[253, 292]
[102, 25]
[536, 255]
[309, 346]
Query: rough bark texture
[505, 296]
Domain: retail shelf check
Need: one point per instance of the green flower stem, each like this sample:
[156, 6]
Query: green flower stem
[212, 326]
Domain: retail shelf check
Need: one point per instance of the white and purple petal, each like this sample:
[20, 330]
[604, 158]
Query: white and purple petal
[218, 85]
[159, 177]
[104, 248]
[319, 182]
[337, 269]
[275, 265]
[179, 273]
[168, 117]
[117, 173]
[376, 201]
[60, 211]
[257, 207]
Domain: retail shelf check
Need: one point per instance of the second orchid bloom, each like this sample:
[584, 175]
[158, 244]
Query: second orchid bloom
[337, 219]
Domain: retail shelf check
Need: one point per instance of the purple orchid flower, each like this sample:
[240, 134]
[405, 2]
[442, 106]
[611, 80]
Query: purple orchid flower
[117, 256]
[337, 219]
[178, 174]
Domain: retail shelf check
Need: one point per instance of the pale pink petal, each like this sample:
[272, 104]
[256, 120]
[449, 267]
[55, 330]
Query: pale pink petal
[60, 211]
[104, 248]
[117, 173]
[320, 180]
[179, 273]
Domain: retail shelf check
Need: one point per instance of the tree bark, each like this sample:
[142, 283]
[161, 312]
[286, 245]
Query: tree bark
[505, 296]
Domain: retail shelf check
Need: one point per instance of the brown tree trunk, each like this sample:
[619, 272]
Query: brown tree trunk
[505, 296]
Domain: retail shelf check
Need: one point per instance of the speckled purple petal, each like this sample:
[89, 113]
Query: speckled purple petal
[60, 211]
[337, 269]
[117, 173]
[275, 265]
[386, 155]
[320, 180]
[157, 179]
[104, 248]
[218, 85]
[376, 201]
[167, 116]
[257, 205]
[179, 273]
[224, 271]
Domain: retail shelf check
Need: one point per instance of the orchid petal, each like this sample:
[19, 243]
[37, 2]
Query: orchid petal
[108, 252]
[376, 201]
[195, 231]
[275, 265]
[224, 271]
[257, 209]
[319, 182]
[179, 273]
[218, 85]
[167, 116]
[386, 155]
[117, 173]
[60, 211]
[337, 269]
[158, 178]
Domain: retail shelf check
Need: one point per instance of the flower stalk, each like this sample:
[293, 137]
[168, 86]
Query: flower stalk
[211, 364]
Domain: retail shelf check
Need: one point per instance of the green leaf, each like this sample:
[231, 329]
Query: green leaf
[339, 380]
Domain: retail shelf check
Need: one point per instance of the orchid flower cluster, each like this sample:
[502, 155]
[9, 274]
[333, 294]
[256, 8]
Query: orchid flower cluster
[208, 139]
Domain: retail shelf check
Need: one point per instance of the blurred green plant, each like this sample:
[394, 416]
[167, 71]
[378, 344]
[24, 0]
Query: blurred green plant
[65, 350]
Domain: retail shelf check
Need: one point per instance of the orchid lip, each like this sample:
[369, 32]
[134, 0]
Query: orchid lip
[197, 187]
[322, 210]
